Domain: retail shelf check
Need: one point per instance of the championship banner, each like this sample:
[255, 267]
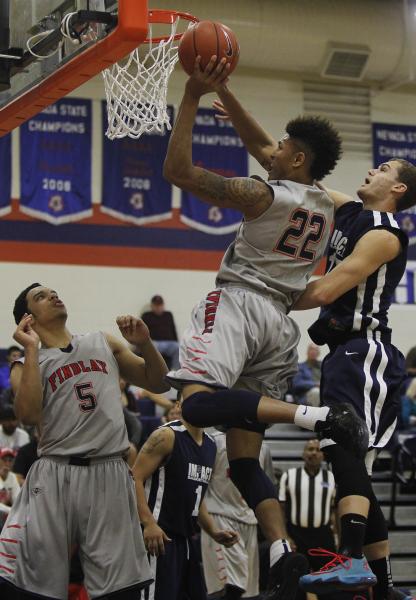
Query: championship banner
[6, 178]
[55, 162]
[405, 292]
[397, 141]
[216, 147]
[133, 187]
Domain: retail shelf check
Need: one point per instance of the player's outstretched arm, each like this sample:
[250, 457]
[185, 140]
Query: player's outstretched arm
[374, 249]
[147, 371]
[226, 537]
[25, 379]
[153, 453]
[338, 198]
[250, 196]
[258, 142]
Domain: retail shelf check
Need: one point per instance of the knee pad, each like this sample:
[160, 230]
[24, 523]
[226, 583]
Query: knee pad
[251, 481]
[350, 473]
[376, 530]
[222, 407]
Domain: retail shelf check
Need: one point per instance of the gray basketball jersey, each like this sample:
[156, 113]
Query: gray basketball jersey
[277, 252]
[222, 497]
[82, 413]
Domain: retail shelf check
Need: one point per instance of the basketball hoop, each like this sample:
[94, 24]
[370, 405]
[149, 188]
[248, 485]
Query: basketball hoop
[136, 88]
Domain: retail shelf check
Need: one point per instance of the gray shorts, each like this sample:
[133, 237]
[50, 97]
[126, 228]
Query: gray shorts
[238, 565]
[62, 505]
[238, 338]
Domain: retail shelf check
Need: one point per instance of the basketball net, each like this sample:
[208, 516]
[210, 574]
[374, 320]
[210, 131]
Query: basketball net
[136, 88]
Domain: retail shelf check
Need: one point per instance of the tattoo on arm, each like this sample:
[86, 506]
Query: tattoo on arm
[153, 442]
[241, 192]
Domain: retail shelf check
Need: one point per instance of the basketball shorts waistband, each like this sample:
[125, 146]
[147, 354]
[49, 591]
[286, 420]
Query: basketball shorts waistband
[82, 461]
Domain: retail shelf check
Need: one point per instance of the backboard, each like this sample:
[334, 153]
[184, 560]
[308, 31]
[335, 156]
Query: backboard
[50, 47]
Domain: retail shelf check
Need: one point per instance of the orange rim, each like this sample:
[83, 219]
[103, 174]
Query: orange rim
[167, 17]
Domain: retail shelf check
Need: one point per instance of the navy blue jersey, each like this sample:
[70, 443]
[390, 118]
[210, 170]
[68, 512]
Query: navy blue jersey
[364, 309]
[175, 491]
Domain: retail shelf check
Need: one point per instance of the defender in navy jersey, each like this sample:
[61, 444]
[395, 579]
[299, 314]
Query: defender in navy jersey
[172, 473]
[240, 348]
[80, 492]
[366, 261]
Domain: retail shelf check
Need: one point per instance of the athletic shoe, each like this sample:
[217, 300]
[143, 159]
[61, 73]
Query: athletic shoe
[346, 428]
[284, 576]
[340, 573]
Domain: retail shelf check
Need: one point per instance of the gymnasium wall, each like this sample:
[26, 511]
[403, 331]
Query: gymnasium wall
[94, 295]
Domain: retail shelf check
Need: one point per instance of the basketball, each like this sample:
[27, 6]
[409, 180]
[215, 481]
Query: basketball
[205, 39]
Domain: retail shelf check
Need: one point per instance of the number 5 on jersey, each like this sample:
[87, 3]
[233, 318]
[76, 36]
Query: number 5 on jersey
[86, 399]
[293, 242]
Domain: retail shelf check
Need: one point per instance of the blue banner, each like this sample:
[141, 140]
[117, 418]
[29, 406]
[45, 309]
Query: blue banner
[397, 141]
[216, 147]
[55, 162]
[6, 177]
[133, 187]
[405, 293]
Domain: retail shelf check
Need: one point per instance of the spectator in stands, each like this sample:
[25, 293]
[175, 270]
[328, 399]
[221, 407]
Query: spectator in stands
[11, 436]
[172, 413]
[233, 572]
[306, 382]
[307, 496]
[408, 392]
[13, 353]
[25, 457]
[163, 331]
[9, 485]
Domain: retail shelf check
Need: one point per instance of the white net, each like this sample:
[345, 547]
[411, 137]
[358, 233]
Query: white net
[136, 89]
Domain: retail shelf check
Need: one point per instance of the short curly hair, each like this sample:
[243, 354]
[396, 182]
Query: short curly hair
[319, 137]
[20, 304]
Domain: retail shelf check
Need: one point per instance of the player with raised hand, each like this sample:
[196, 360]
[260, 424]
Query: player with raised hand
[80, 491]
[240, 349]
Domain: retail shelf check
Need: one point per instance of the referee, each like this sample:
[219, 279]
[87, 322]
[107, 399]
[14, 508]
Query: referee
[307, 496]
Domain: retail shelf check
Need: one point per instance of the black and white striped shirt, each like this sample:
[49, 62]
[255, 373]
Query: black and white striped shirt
[308, 497]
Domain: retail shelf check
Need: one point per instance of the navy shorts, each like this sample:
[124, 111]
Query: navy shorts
[368, 374]
[177, 573]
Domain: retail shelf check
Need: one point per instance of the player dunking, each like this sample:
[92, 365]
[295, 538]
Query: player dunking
[366, 261]
[241, 337]
[80, 491]
[172, 473]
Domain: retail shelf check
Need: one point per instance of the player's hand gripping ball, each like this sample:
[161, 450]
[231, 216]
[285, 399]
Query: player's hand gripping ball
[206, 39]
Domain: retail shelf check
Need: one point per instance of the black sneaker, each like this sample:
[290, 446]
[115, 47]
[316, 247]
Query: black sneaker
[346, 428]
[284, 576]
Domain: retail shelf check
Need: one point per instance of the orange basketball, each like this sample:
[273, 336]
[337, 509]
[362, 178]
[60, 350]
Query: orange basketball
[205, 39]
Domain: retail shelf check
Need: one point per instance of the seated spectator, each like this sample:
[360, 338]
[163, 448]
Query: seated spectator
[11, 436]
[172, 413]
[307, 496]
[306, 382]
[163, 331]
[407, 392]
[25, 457]
[13, 353]
[128, 397]
[133, 424]
[9, 486]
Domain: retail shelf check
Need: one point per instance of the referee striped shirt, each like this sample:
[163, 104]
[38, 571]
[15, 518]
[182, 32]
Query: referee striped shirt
[308, 497]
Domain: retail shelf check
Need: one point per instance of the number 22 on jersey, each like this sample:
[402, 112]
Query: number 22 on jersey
[306, 229]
